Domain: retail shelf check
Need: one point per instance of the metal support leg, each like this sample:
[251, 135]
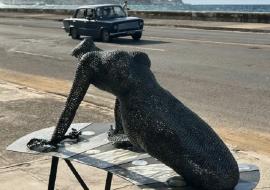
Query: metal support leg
[108, 181]
[53, 173]
[78, 177]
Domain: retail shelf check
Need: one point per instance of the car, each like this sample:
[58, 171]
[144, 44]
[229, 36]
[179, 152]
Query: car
[103, 22]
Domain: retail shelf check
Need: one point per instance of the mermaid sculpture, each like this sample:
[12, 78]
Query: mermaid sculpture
[150, 117]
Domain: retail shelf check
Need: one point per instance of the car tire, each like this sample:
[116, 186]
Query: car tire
[137, 36]
[105, 36]
[74, 34]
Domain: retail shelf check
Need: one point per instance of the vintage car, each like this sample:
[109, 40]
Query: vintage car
[103, 22]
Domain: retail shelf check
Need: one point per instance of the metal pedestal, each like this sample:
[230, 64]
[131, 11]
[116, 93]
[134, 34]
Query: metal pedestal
[53, 173]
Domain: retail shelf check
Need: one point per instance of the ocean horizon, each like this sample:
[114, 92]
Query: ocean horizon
[171, 6]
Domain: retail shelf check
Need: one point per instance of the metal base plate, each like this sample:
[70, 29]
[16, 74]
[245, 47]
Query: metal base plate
[139, 168]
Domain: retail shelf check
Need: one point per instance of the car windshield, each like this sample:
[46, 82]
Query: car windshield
[110, 12]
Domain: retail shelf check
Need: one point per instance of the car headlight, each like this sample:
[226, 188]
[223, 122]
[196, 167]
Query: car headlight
[115, 27]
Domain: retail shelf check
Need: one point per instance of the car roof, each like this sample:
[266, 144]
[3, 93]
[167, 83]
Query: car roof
[96, 6]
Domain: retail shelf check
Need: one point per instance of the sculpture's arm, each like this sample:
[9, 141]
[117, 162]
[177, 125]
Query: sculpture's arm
[78, 90]
[118, 118]
[77, 93]
[117, 136]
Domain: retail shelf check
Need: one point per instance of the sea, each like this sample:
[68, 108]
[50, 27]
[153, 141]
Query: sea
[136, 5]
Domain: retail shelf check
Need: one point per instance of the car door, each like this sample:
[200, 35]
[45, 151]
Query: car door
[90, 24]
[78, 20]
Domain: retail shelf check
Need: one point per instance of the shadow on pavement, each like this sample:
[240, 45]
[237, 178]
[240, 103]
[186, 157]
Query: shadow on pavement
[129, 41]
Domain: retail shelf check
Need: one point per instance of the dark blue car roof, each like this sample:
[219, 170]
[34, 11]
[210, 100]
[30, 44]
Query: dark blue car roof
[98, 5]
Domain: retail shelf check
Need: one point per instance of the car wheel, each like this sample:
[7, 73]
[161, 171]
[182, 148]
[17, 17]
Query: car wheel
[105, 36]
[74, 34]
[137, 36]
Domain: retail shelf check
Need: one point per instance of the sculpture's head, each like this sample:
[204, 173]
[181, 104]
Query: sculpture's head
[87, 45]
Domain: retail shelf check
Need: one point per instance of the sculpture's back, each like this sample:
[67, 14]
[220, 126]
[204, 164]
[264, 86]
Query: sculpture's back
[165, 128]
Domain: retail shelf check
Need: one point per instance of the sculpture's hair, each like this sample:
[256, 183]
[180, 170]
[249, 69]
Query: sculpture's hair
[87, 45]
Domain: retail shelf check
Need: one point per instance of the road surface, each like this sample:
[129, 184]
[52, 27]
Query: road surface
[223, 76]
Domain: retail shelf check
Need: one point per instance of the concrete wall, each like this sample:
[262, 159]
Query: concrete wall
[205, 16]
[49, 11]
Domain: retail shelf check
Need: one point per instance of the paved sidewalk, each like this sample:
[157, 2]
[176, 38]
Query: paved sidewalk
[24, 110]
[34, 175]
[208, 25]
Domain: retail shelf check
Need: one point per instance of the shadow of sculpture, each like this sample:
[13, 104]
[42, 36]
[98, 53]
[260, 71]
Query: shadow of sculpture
[128, 41]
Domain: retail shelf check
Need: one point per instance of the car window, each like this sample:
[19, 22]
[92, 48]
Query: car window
[107, 12]
[110, 12]
[118, 11]
[81, 13]
[98, 13]
[90, 13]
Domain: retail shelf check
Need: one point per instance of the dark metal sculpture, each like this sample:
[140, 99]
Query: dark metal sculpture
[151, 117]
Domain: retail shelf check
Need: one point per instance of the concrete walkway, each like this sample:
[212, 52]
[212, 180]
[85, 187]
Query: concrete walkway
[208, 25]
[34, 175]
[24, 110]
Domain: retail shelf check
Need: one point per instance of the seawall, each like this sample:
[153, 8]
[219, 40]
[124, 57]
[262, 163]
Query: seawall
[206, 16]
[189, 15]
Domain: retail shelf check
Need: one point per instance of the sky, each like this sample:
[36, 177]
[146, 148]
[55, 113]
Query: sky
[227, 1]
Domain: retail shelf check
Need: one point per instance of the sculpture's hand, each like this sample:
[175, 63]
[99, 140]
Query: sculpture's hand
[73, 135]
[121, 140]
[41, 145]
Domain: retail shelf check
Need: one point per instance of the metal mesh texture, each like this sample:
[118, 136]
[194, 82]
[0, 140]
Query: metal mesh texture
[116, 136]
[151, 117]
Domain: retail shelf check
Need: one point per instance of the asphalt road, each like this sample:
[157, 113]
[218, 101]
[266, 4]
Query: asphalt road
[223, 76]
